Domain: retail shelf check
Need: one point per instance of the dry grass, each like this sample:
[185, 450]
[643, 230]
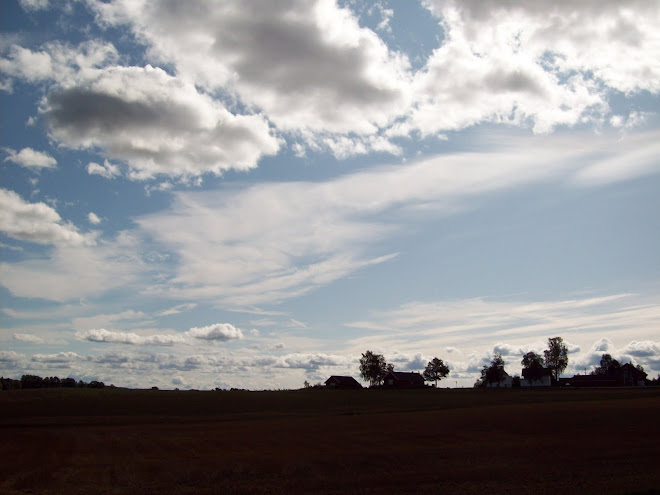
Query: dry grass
[365, 442]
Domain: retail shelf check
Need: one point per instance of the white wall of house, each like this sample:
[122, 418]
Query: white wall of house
[544, 381]
[506, 382]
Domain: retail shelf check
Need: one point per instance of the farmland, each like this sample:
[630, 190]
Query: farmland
[115, 441]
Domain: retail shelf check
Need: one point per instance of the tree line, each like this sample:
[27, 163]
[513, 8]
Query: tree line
[34, 381]
[374, 369]
[535, 366]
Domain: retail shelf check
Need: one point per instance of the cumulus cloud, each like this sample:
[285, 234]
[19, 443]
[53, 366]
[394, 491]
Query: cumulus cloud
[306, 64]
[542, 62]
[28, 337]
[66, 357]
[107, 170]
[11, 358]
[103, 335]
[218, 331]
[312, 361]
[642, 349]
[93, 218]
[37, 222]
[155, 122]
[57, 62]
[30, 158]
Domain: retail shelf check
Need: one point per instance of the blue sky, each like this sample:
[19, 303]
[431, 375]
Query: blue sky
[252, 194]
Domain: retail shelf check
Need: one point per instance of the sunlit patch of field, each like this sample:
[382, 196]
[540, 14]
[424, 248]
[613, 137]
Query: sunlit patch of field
[83, 441]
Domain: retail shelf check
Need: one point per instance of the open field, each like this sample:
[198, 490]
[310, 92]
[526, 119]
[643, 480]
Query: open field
[112, 441]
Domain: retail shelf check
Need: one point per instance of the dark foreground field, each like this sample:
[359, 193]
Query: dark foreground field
[80, 441]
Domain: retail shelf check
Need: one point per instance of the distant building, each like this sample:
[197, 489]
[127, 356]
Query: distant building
[536, 378]
[342, 382]
[505, 382]
[626, 375]
[631, 376]
[402, 379]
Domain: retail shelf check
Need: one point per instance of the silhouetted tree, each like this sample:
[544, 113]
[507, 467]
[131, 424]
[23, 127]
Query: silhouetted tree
[96, 384]
[608, 366]
[556, 356]
[389, 367]
[373, 367]
[52, 382]
[32, 381]
[495, 372]
[625, 374]
[10, 384]
[533, 363]
[435, 370]
[68, 382]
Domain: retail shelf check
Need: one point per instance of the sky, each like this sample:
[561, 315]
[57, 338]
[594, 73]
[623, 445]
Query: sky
[252, 194]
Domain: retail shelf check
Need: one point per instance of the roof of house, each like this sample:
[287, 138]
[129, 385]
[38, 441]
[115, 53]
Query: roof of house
[539, 373]
[405, 377]
[345, 381]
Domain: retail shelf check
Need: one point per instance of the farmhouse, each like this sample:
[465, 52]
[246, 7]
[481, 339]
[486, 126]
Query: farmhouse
[625, 376]
[505, 382]
[401, 379]
[536, 378]
[342, 382]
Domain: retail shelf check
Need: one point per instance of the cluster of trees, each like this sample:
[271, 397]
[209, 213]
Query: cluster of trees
[374, 369]
[555, 359]
[611, 368]
[34, 381]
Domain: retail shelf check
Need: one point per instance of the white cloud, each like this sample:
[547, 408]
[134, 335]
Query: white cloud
[26, 64]
[71, 272]
[306, 64]
[30, 158]
[37, 222]
[547, 63]
[66, 357]
[93, 218]
[29, 338]
[57, 62]
[639, 158]
[31, 5]
[106, 336]
[313, 361]
[642, 349]
[178, 309]
[107, 170]
[273, 241]
[502, 324]
[11, 358]
[218, 331]
[155, 122]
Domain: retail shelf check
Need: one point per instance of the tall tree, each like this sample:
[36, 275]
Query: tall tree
[556, 356]
[435, 370]
[373, 368]
[495, 372]
[608, 366]
[533, 364]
